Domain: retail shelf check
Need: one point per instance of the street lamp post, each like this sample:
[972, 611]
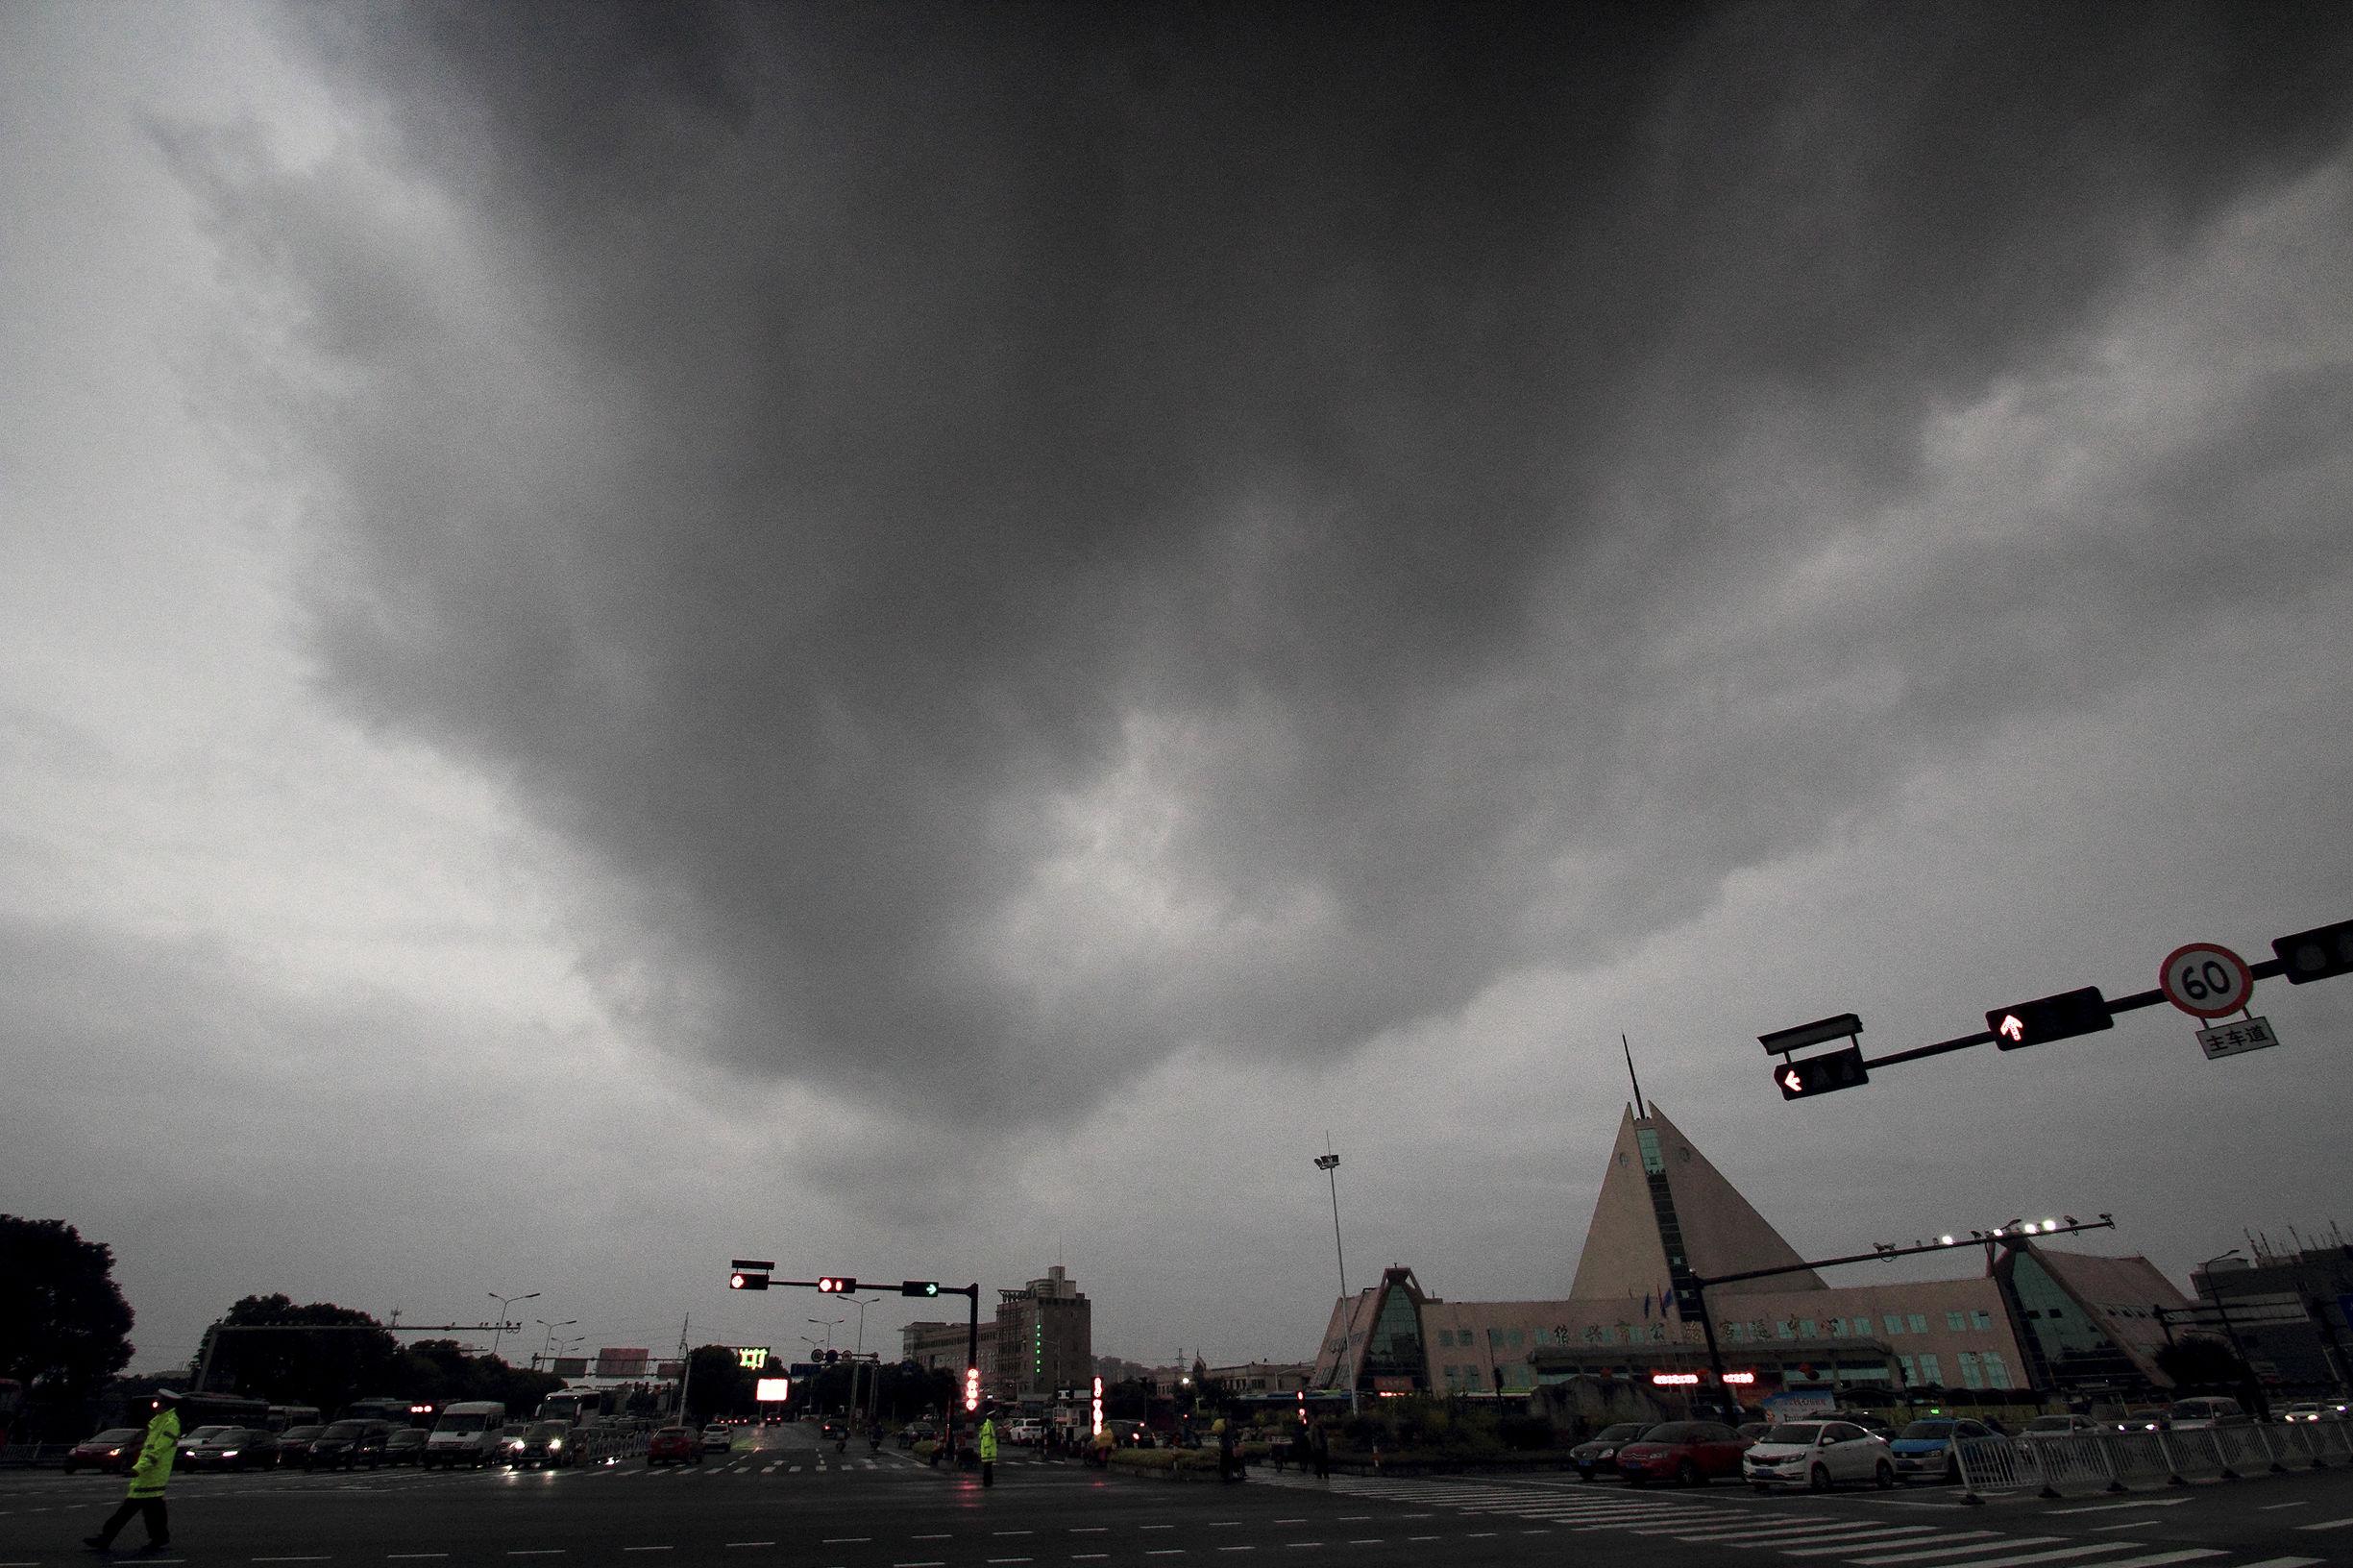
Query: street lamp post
[829, 1324]
[500, 1327]
[862, 1306]
[548, 1348]
[1330, 1164]
[2230, 1332]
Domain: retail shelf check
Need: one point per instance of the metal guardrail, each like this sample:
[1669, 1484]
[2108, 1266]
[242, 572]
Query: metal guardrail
[2077, 1464]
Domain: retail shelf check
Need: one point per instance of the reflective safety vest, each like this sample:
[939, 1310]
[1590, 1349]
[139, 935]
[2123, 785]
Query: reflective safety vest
[154, 1465]
[988, 1442]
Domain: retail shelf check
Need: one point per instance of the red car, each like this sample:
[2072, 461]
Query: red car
[112, 1449]
[673, 1445]
[1688, 1452]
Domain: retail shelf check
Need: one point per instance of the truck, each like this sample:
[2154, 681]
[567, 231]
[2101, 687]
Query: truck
[466, 1433]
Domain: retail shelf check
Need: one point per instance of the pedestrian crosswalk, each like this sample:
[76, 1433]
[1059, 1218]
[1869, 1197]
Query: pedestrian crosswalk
[1790, 1532]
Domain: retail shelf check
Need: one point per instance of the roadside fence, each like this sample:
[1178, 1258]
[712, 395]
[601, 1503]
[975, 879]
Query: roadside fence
[2078, 1464]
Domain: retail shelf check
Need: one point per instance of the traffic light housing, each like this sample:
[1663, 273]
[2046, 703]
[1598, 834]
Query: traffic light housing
[2317, 954]
[2071, 1012]
[747, 1279]
[972, 1388]
[918, 1287]
[1823, 1074]
[836, 1285]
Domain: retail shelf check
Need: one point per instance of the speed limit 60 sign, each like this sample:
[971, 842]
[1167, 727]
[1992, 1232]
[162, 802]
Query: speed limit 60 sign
[2206, 981]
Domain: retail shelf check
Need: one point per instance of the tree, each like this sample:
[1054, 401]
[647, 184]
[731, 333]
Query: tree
[347, 1355]
[717, 1384]
[64, 1326]
[2198, 1360]
[443, 1370]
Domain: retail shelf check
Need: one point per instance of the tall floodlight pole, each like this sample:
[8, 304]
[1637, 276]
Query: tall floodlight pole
[501, 1326]
[1330, 1164]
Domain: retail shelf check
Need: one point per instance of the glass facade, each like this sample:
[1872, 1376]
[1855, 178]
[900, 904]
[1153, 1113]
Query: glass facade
[2067, 1349]
[1394, 1347]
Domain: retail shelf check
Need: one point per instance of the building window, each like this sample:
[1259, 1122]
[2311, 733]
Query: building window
[1956, 1322]
[1996, 1370]
[1919, 1322]
[1971, 1376]
[1891, 1322]
[1784, 1330]
[1805, 1330]
[1513, 1339]
[1911, 1373]
[1930, 1371]
[1647, 1141]
[1446, 1339]
[1980, 1320]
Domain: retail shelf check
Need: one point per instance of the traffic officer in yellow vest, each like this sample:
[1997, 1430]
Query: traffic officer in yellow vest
[148, 1474]
[987, 1448]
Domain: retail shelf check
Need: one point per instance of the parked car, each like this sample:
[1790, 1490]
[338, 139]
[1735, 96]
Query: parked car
[718, 1439]
[916, 1432]
[1598, 1455]
[2043, 1427]
[1688, 1452]
[2198, 1414]
[239, 1448]
[406, 1445]
[1130, 1435]
[347, 1445]
[294, 1444]
[1818, 1454]
[1753, 1431]
[1869, 1420]
[112, 1449]
[2153, 1419]
[548, 1444]
[673, 1445]
[1924, 1448]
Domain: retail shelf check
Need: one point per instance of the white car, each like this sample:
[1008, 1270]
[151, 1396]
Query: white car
[2312, 1410]
[2060, 1426]
[1026, 1433]
[1818, 1454]
[717, 1439]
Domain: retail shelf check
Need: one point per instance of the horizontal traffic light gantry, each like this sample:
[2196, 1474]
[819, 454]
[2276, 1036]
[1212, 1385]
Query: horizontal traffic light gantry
[2202, 979]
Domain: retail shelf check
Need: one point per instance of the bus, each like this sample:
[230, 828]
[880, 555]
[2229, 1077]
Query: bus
[285, 1417]
[577, 1406]
[401, 1413]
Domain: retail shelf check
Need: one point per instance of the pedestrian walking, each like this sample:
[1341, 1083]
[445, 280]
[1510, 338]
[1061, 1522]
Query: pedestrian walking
[149, 1473]
[1319, 1444]
[988, 1449]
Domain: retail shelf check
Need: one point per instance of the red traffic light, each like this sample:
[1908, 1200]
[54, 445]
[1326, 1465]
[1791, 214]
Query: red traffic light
[836, 1285]
[972, 1387]
[744, 1279]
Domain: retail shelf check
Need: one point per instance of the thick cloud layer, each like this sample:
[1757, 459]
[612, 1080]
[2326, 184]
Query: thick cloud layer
[1028, 540]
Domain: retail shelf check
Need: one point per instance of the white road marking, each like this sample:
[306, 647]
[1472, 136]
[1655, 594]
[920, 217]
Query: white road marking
[2118, 1508]
[2269, 1507]
[649, 1549]
[2327, 1524]
[2158, 1559]
[1979, 1535]
[845, 1540]
[413, 1556]
[2055, 1554]
[1877, 1535]
[2282, 1563]
[752, 1543]
[1926, 1553]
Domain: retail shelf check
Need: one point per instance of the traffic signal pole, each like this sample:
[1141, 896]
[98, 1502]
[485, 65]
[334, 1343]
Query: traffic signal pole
[1699, 1283]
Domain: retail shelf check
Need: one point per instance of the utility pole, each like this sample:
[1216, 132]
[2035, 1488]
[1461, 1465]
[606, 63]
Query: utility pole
[686, 1364]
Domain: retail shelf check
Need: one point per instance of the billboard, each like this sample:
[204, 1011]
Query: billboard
[621, 1361]
[569, 1367]
[773, 1390]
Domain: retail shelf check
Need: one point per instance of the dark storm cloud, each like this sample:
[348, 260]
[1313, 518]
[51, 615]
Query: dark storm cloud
[880, 447]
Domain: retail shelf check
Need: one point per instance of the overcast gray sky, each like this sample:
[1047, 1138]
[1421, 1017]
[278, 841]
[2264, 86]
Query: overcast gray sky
[922, 640]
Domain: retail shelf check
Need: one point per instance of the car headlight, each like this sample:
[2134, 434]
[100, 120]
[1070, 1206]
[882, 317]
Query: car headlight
[554, 1444]
[228, 1452]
